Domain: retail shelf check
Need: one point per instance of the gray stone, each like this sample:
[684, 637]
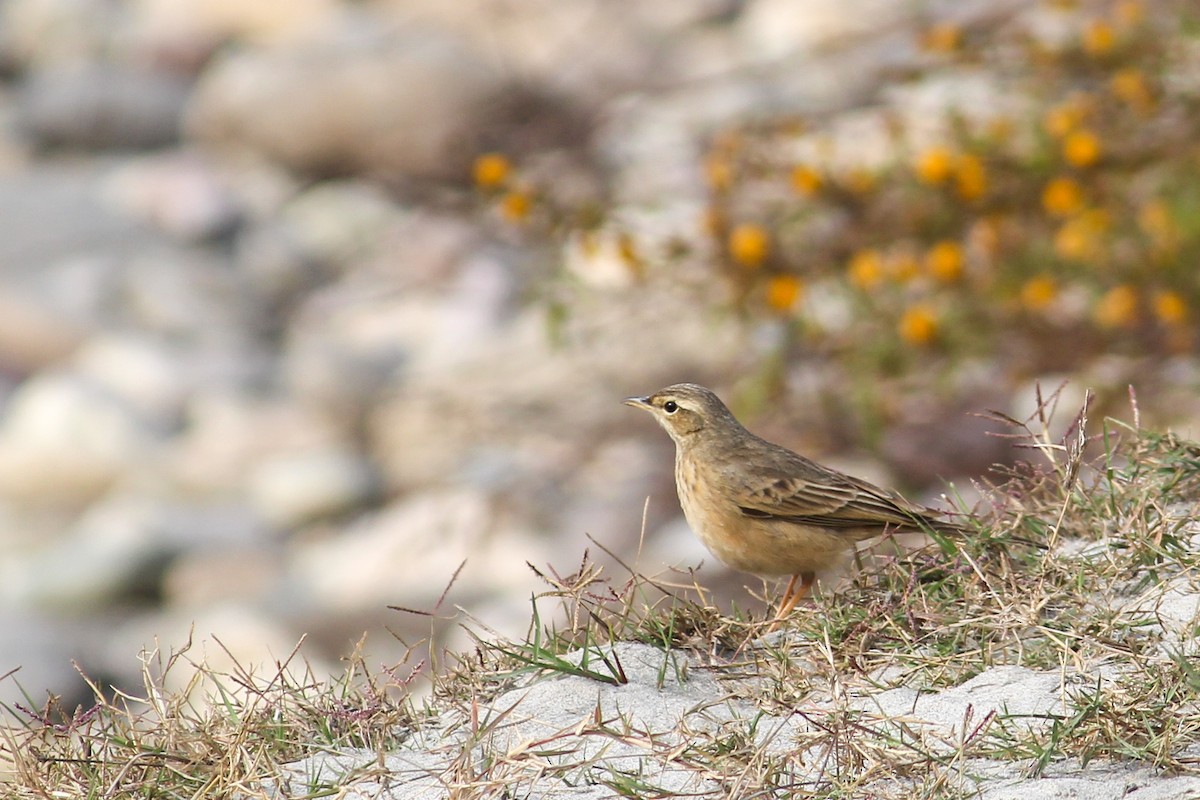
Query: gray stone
[102, 106]
[359, 99]
[180, 195]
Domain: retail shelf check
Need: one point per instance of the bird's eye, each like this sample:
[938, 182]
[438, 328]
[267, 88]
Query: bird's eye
[670, 406]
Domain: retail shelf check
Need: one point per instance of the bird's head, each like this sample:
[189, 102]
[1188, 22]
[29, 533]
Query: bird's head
[685, 410]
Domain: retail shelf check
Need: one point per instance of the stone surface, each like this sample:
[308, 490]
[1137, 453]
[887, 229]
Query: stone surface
[406, 104]
[561, 735]
[291, 489]
[102, 106]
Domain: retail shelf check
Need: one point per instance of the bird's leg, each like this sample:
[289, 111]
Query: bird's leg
[787, 596]
[792, 595]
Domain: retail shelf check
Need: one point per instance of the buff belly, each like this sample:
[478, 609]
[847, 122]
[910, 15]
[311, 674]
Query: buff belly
[760, 546]
[770, 548]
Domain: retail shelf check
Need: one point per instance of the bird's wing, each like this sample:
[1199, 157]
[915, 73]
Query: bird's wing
[806, 493]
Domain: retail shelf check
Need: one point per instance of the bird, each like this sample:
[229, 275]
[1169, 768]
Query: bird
[763, 509]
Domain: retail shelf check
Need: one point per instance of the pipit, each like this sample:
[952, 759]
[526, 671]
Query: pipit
[761, 508]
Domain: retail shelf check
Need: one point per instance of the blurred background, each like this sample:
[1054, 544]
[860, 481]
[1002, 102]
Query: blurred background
[306, 303]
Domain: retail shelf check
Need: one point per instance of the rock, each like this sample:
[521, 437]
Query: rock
[102, 106]
[119, 551]
[175, 23]
[292, 489]
[359, 99]
[65, 440]
[145, 374]
[773, 29]
[228, 432]
[246, 571]
[193, 296]
[54, 32]
[407, 553]
[664, 700]
[33, 336]
[571, 381]
[178, 194]
[62, 246]
[339, 223]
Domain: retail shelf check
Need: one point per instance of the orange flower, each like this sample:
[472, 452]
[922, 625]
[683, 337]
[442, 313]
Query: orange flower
[1079, 237]
[749, 244]
[806, 181]
[1062, 197]
[944, 261]
[970, 177]
[1081, 148]
[934, 165]
[1155, 220]
[903, 266]
[918, 325]
[718, 171]
[860, 181]
[1098, 38]
[714, 221]
[1063, 118]
[1170, 307]
[866, 269]
[1130, 85]
[490, 170]
[516, 205]
[1129, 13]
[627, 250]
[944, 37]
[783, 291]
[1117, 308]
[1038, 293]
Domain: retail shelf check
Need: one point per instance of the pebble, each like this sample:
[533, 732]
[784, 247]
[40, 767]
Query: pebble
[102, 106]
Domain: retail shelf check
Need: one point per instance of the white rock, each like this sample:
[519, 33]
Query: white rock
[180, 194]
[65, 439]
[361, 98]
[291, 489]
[142, 371]
[339, 221]
[408, 553]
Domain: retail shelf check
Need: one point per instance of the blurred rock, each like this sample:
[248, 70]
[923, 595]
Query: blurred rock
[523, 393]
[250, 571]
[175, 23]
[102, 106]
[339, 222]
[292, 489]
[119, 551]
[401, 105]
[193, 300]
[591, 53]
[33, 336]
[143, 373]
[227, 432]
[408, 553]
[178, 194]
[54, 32]
[62, 245]
[64, 440]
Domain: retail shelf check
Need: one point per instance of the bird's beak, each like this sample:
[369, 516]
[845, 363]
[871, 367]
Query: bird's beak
[639, 402]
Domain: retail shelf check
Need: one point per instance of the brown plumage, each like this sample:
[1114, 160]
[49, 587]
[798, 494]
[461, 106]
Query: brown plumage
[763, 509]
